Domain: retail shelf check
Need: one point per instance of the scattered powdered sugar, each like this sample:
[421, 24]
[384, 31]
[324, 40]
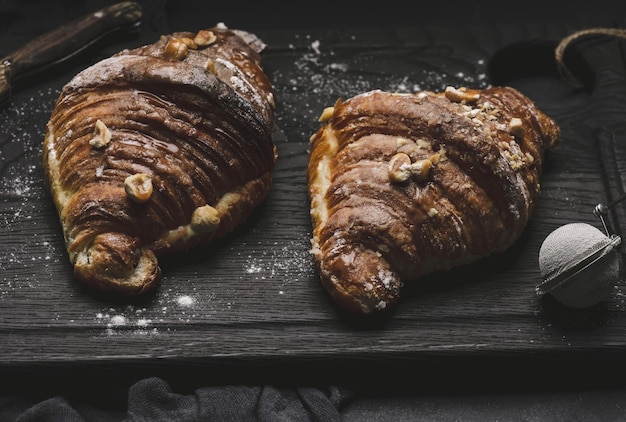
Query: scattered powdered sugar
[21, 140]
[283, 261]
[22, 263]
[128, 320]
[185, 300]
[168, 307]
[315, 45]
[21, 189]
[321, 74]
[346, 72]
[117, 320]
[26, 250]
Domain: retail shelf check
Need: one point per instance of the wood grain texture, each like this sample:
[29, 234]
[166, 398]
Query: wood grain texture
[252, 299]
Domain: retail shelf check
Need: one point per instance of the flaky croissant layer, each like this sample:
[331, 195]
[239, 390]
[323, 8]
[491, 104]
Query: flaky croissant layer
[403, 185]
[159, 149]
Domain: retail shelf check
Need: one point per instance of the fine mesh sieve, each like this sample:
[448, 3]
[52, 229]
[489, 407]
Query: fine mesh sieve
[578, 265]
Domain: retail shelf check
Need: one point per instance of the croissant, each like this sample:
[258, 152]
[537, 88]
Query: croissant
[159, 149]
[404, 185]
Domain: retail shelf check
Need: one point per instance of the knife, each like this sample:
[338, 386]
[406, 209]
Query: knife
[64, 42]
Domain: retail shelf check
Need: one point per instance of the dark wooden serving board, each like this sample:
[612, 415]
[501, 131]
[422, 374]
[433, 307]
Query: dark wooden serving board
[252, 302]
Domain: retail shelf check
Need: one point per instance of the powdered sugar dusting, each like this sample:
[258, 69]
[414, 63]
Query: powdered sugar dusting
[26, 250]
[130, 319]
[185, 300]
[170, 307]
[282, 262]
[337, 71]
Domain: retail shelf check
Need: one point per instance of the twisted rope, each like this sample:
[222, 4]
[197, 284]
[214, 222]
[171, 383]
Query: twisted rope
[567, 41]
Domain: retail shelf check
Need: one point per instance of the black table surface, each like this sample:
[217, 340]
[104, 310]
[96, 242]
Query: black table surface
[472, 344]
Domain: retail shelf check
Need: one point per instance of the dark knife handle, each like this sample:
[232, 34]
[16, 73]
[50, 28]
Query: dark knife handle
[64, 42]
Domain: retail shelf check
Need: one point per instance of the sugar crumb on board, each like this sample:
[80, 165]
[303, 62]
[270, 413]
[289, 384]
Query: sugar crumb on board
[281, 261]
[22, 192]
[169, 306]
[341, 71]
[278, 268]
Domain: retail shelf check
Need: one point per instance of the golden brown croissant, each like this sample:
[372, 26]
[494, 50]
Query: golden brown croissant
[159, 149]
[403, 185]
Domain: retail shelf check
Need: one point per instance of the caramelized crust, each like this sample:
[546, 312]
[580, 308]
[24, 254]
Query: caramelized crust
[158, 149]
[403, 185]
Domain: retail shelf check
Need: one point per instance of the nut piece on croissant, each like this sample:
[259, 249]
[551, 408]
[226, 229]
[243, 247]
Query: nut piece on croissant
[159, 149]
[403, 185]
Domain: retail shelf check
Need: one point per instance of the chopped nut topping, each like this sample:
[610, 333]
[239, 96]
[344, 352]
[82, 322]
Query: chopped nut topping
[421, 169]
[440, 155]
[102, 136]
[138, 187]
[400, 141]
[400, 168]
[434, 159]
[432, 212]
[210, 66]
[516, 127]
[205, 219]
[176, 49]
[473, 112]
[458, 95]
[270, 99]
[515, 161]
[327, 114]
[205, 38]
[189, 43]
[423, 144]
[100, 170]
